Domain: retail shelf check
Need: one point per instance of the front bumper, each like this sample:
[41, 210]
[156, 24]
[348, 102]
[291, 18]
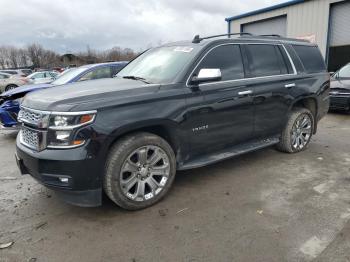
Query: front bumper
[74, 174]
[340, 102]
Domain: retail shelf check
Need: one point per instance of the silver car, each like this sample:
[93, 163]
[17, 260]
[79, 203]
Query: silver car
[17, 72]
[42, 77]
[8, 81]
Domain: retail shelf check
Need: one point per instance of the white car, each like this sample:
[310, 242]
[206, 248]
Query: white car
[42, 77]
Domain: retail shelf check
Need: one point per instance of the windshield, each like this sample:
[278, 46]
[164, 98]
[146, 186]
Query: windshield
[68, 76]
[159, 65]
[344, 72]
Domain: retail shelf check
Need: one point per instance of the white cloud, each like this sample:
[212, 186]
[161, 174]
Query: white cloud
[66, 25]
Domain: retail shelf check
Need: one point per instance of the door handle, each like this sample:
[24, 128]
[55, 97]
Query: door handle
[245, 93]
[289, 85]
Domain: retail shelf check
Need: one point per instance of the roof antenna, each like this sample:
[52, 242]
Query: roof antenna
[196, 39]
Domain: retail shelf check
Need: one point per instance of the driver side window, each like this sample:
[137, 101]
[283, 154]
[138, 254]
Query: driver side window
[104, 72]
[227, 58]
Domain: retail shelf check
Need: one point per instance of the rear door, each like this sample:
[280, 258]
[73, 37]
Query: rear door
[226, 117]
[271, 77]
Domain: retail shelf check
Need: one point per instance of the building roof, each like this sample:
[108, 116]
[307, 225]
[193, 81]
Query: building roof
[266, 9]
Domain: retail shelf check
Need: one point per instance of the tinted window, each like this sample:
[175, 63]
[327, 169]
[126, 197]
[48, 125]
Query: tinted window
[265, 60]
[117, 68]
[39, 75]
[11, 72]
[311, 58]
[227, 58]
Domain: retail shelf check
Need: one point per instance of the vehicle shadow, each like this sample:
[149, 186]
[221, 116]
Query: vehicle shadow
[190, 179]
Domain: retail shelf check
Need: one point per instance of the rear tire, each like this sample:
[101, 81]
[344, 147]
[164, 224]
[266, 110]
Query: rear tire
[10, 87]
[139, 171]
[297, 132]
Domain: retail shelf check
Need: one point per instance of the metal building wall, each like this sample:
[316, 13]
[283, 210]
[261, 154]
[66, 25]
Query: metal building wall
[304, 19]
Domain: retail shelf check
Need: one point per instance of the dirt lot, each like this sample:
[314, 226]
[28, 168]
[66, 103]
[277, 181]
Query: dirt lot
[264, 206]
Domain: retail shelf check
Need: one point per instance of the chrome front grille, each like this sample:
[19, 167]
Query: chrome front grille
[30, 138]
[33, 117]
[33, 139]
[34, 128]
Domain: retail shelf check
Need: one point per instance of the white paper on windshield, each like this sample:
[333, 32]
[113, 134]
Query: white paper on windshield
[185, 49]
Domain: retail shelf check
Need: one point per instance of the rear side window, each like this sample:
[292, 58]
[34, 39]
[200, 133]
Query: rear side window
[311, 58]
[265, 60]
[227, 58]
[103, 72]
[117, 68]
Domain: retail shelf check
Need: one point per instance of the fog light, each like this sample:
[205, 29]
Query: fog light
[64, 179]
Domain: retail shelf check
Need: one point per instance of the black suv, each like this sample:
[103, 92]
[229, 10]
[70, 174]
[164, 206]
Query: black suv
[175, 107]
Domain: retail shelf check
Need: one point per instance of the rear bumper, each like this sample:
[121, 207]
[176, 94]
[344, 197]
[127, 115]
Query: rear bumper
[340, 102]
[73, 174]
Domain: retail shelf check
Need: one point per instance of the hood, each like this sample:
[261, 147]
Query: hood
[22, 90]
[89, 95]
[340, 83]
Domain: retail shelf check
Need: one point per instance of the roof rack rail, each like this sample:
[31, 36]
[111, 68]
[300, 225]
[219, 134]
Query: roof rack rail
[197, 39]
[273, 35]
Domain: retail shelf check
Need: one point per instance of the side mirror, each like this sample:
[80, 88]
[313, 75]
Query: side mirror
[206, 75]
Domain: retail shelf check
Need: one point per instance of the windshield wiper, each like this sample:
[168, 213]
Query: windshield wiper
[137, 78]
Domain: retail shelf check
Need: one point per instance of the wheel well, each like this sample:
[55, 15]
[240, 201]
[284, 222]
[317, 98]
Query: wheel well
[11, 85]
[309, 103]
[156, 130]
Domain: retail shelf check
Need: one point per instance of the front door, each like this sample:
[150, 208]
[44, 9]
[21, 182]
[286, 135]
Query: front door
[226, 116]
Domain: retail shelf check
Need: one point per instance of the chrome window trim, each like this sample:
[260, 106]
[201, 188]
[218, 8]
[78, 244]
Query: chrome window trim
[290, 60]
[245, 78]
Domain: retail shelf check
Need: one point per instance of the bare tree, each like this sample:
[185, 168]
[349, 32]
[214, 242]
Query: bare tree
[38, 57]
[35, 52]
[3, 57]
[13, 52]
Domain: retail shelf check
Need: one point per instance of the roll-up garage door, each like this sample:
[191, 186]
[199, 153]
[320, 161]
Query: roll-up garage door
[339, 35]
[276, 25]
[340, 24]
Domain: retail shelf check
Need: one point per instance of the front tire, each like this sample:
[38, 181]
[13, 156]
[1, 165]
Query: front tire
[297, 132]
[140, 170]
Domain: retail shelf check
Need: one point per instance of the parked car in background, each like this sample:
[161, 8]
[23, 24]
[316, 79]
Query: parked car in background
[179, 106]
[340, 89]
[18, 72]
[10, 101]
[9, 82]
[58, 69]
[43, 77]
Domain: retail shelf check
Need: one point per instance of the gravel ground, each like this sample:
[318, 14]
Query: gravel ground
[263, 206]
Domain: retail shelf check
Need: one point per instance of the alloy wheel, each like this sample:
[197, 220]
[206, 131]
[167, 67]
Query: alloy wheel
[301, 131]
[144, 173]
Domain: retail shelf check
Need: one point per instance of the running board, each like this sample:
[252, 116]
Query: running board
[228, 153]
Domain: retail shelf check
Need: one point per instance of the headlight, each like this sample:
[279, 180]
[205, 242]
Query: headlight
[63, 129]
